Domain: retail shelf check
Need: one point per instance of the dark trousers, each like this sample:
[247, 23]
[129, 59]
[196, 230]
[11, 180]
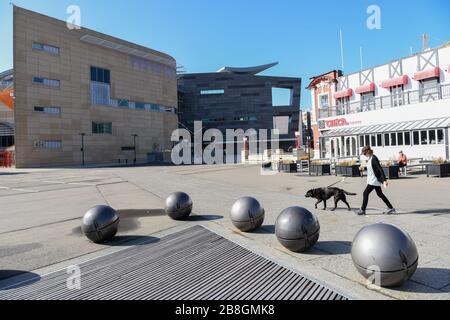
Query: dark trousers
[380, 193]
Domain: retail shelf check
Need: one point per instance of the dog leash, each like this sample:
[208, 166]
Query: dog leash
[343, 180]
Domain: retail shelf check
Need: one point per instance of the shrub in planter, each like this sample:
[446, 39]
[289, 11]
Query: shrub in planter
[391, 170]
[320, 168]
[439, 167]
[348, 169]
[287, 167]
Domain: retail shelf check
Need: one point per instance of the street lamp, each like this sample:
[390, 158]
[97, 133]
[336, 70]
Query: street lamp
[134, 142]
[82, 146]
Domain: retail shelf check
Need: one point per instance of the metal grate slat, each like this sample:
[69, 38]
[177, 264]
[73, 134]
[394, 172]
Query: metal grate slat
[193, 264]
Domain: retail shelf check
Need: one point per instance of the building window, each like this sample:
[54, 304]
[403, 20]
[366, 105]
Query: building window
[53, 144]
[343, 105]
[49, 110]
[393, 139]
[6, 141]
[367, 101]
[48, 144]
[416, 138]
[47, 82]
[407, 138]
[213, 120]
[139, 105]
[282, 124]
[123, 103]
[101, 127]
[46, 48]
[212, 92]
[100, 75]
[440, 136]
[282, 97]
[397, 96]
[100, 93]
[387, 141]
[429, 90]
[424, 137]
[400, 138]
[379, 140]
[367, 140]
[245, 118]
[432, 136]
[373, 141]
[324, 101]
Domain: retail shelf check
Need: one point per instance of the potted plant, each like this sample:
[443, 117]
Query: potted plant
[348, 169]
[320, 168]
[439, 168]
[390, 169]
[287, 166]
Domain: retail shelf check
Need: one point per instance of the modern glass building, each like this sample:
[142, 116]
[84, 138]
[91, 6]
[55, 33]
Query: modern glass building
[239, 98]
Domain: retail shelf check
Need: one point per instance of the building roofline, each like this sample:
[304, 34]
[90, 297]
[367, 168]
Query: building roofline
[401, 58]
[218, 74]
[248, 70]
[83, 31]
[6, 73]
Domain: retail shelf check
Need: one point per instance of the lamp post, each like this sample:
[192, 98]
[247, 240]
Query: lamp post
[134, 147]
[82, 147]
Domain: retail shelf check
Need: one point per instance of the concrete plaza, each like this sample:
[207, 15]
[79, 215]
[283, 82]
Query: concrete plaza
[41, 210]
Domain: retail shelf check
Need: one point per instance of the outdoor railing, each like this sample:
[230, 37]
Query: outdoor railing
[385, 102]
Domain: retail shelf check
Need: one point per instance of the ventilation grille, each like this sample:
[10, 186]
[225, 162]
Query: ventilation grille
[190, 265]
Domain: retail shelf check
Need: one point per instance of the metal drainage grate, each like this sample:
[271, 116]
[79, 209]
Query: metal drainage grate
[194, 264]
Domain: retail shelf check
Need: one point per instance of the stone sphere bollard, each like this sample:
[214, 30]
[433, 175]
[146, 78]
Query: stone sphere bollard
[247, 214]
[385, 254]
[179, 206]
[100, 224]
[297, 229]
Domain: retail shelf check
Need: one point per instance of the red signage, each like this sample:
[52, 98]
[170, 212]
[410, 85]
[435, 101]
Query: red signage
[337, 123]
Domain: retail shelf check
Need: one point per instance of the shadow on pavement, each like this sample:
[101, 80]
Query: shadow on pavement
[140, 213]
[204, 218]
[24, 278]
[428, 274]
[269, 229]
[12, 173]
[331, 248]
[126, 241]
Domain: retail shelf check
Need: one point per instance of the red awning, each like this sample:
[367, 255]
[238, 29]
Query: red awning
[395, 82]
[365, 89]
[427, 74]
[343, 94]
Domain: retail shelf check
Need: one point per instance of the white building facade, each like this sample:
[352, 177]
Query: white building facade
[403, 105]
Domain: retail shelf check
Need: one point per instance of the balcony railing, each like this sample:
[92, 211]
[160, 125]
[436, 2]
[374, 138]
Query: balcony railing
[385, 102]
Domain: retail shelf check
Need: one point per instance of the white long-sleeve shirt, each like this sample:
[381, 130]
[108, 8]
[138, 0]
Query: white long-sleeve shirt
[371, 178]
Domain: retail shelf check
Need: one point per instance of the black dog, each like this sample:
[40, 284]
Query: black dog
[323, 194]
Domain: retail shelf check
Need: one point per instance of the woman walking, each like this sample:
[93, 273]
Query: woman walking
[375, 180]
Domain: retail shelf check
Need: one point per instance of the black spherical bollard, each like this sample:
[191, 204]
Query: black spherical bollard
[179, 206]
[100, 224]
[297, 229]
[385, 254]
[247, 214]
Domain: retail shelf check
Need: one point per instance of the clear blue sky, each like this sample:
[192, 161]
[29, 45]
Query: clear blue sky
[303, 35]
